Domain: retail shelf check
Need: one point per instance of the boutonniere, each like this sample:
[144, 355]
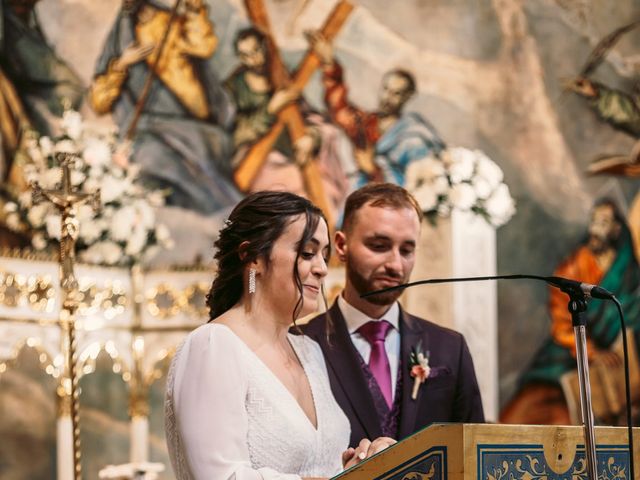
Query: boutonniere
[418, 367]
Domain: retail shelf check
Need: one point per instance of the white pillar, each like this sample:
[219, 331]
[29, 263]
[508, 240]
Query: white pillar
[463, 245]
[139, 450]
[64, 446]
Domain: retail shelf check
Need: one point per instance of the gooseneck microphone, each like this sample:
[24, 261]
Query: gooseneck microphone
[579, 293]
[570, 287]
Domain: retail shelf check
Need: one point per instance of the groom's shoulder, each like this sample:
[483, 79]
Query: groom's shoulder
[316, 326]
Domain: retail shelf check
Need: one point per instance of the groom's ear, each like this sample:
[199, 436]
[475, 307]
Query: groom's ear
[340, 242]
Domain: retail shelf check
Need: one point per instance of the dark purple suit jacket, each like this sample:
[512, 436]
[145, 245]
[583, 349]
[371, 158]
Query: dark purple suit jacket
[450, 394]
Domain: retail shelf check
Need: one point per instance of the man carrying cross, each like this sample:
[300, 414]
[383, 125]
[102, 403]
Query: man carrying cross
[258, 104]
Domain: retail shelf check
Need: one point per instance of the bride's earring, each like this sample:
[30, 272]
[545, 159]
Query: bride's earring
[252, 280]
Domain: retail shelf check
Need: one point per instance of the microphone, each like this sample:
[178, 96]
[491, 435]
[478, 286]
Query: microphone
[571, 287]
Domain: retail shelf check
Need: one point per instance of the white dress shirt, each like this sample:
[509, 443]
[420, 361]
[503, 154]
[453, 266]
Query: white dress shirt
[355, 319]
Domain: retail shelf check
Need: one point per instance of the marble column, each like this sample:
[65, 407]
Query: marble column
[463, 245]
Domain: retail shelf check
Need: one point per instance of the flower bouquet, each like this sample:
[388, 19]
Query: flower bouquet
[463, 179]
[124, 231]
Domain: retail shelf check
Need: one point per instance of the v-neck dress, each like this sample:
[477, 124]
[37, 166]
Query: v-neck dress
[227, 415]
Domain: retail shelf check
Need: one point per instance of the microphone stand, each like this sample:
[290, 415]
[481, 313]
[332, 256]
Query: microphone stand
[577, 307]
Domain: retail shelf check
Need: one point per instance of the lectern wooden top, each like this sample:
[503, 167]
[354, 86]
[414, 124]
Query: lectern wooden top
[499, 452]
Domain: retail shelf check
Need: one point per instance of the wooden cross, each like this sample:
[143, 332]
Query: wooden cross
[290, 116]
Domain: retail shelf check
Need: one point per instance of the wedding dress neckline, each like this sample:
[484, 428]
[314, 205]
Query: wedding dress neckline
[282, 386]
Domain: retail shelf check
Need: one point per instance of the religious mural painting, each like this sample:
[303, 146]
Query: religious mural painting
[210, 100]
[607, 256]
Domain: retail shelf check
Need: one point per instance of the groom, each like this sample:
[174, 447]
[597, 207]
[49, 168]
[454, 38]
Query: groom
[367, 342]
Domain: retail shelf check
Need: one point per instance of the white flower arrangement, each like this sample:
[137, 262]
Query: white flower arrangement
[462, 179]
[124, 231]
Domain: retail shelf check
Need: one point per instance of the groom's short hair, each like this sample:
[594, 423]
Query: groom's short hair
[387, 195]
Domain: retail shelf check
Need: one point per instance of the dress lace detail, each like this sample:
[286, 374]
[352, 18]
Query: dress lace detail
[270, 435]
[178, 461]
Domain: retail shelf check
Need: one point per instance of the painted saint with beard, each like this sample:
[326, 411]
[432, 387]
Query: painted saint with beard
[606, 258]
[180, 141]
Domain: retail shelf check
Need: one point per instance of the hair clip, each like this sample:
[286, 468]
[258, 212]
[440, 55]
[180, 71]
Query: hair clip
[228, 222]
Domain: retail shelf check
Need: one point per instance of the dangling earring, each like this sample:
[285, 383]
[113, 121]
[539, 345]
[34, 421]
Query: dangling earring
[252, 280]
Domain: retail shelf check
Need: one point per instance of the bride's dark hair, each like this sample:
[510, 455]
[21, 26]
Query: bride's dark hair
[256, 223]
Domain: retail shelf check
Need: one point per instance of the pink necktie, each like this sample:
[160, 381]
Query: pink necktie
[375, 332]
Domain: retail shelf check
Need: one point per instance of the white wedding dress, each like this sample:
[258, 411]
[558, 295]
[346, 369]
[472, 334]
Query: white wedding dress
[227, 416]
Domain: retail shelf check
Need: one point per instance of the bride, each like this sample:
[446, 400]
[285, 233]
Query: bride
[246, 399]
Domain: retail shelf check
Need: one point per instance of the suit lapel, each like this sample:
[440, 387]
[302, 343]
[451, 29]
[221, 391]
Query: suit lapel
[410, 335]
[345, 363]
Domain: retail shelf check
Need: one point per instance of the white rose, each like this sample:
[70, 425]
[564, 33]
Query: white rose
[137, 241]
[93, 254]
[111, 252]
[90, 232]
[146, 214]
[97, 152]
[39, 242]
[500, 206]
[440, 185]
[482, 187]
[92, 185]
[106, 252]
[444, 209]
[488, 170]
[72, 124]
[25, 199]
[65, 146]
[37, 213]
[46, 146]
[13, 221]
[54, 225]
[77, 177]
[50, 178]
[84, 213]
[460, 163]
[462, 196]
[112, 188]
[426, 197]
[35, 154]
[122, 223]
[422, 171]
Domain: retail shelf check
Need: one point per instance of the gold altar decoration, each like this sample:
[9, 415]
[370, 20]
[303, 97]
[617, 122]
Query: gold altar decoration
[121, 311]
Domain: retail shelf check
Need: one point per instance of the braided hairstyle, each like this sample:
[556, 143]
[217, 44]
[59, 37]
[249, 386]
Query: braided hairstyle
[257, 222]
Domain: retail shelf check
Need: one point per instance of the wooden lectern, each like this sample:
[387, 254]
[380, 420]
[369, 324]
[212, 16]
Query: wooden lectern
[499, 452]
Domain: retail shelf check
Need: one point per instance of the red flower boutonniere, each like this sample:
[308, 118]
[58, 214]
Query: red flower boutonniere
[419, 368]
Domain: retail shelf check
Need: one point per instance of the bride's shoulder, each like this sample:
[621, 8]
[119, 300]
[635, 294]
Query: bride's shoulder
[212, 335]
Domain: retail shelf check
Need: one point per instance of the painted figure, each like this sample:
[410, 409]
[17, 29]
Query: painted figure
[620, 109]
[179, 136]
[387, 140]
[258, 104]
[607, 259]
[35, 84]
[45, 83]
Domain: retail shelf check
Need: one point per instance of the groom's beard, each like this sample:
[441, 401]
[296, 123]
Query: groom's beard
[363, 285]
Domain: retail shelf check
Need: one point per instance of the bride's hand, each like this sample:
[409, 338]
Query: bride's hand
[365, 449]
